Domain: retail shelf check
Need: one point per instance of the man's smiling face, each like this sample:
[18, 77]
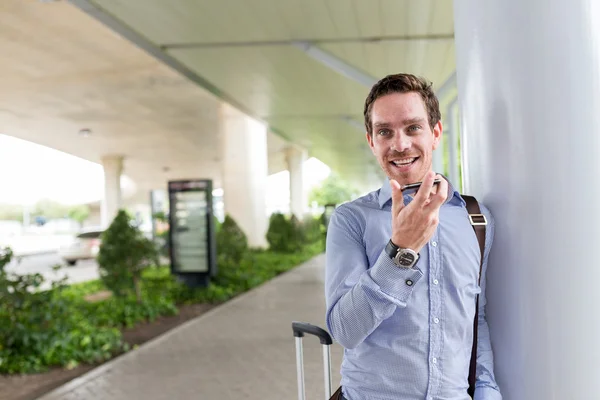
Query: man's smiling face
[402, 140]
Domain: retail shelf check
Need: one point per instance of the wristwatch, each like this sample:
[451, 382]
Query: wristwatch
[403, 258]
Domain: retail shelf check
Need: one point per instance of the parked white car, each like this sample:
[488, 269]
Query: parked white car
[84, 246]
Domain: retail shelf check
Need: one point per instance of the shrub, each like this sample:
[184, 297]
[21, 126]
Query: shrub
[123, 254]
[232, 243]
[278, 232]
[39, 329]
[42, 328]
[285, 235]
[5, 257]
[314, 231]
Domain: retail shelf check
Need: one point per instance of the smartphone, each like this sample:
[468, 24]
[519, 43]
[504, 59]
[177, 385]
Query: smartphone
[413, 187]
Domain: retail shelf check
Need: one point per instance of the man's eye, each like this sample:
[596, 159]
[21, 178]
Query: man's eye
[414, 128]
[383, 132]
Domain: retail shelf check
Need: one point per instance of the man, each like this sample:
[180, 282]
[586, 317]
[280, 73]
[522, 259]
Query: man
[403, 269]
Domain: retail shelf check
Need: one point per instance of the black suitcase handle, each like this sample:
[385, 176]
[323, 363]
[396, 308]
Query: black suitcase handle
[301, 328]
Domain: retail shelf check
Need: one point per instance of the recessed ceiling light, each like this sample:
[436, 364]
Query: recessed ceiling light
[85, 132]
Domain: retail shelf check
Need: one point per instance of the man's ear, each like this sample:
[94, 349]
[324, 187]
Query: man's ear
[437, 134]
[370, 140]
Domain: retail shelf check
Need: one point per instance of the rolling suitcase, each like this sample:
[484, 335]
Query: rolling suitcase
[300, 329]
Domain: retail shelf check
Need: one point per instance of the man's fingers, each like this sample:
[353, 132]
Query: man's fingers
[425, 189]
[397, 197]
[436, 200]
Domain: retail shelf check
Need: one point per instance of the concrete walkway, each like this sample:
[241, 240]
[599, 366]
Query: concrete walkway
[243, 349]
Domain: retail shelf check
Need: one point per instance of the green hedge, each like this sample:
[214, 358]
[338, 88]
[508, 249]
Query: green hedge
[290, 235]
[59, 327]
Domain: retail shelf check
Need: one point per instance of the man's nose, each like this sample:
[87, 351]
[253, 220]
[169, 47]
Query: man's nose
[400, 143]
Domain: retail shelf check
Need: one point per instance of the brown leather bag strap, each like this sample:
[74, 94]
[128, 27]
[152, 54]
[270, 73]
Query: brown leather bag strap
[337, 395]
[479, 223]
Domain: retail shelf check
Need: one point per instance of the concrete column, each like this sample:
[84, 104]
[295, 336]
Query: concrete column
[298, 200]
[438, 155]
[529, 92]
[245, 170]
[444, 90]
[452, 137]
[111, 203]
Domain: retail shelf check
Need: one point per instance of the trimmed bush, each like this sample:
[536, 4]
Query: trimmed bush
[231, 241]
[314, 231]
[285, 235]
[123, 254]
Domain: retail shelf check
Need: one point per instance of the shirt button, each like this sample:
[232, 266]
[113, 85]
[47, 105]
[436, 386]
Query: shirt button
[435, 282]
[434, 244]
[434, 360]
[409, 282]
[436, 320]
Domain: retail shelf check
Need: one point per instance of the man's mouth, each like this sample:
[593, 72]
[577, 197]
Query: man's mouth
[404, 162]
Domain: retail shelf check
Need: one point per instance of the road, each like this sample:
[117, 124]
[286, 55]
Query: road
[83, 271]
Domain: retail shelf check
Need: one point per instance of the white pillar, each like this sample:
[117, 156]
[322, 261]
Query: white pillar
[245, 170]
[111, 203]
[452, 137]
[298, 201]
[529, 91]
[438, 155]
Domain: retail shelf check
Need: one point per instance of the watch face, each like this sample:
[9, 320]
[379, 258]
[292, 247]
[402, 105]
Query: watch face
[405, 259]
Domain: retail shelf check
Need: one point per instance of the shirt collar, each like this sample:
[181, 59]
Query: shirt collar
[385, 193]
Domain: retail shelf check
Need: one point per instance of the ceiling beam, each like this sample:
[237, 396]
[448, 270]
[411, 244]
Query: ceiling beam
[337, 64]
[361, 40]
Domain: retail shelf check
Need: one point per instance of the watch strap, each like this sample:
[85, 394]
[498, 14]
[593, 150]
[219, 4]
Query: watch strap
[391, 249]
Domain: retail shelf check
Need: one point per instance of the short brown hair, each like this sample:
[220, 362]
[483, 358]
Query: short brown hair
[403, 83]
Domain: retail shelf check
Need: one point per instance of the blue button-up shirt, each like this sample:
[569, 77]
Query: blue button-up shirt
[407, 333]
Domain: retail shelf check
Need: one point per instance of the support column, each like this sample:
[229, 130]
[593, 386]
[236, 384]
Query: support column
[438, 155]
[453, 157]
[298, 201]
[111, 203]
[245, 170]
[444, 90]
[529, 93]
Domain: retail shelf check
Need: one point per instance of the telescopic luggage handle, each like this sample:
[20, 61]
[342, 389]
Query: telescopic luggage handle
[300, 329]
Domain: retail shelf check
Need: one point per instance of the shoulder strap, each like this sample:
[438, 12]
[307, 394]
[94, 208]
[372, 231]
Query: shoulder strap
[479, 223]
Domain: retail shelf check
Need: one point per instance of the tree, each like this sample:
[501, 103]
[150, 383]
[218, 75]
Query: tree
[11, 212]
[79, 213]
[49, 209]
[124, 253]
[333, 190]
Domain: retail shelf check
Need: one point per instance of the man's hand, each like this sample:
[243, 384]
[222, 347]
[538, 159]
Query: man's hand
[415, 224]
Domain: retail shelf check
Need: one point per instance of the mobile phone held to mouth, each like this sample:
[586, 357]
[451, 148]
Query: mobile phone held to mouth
[414, 187]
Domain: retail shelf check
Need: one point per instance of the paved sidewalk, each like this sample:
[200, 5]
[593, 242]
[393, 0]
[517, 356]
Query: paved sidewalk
[243, 349]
